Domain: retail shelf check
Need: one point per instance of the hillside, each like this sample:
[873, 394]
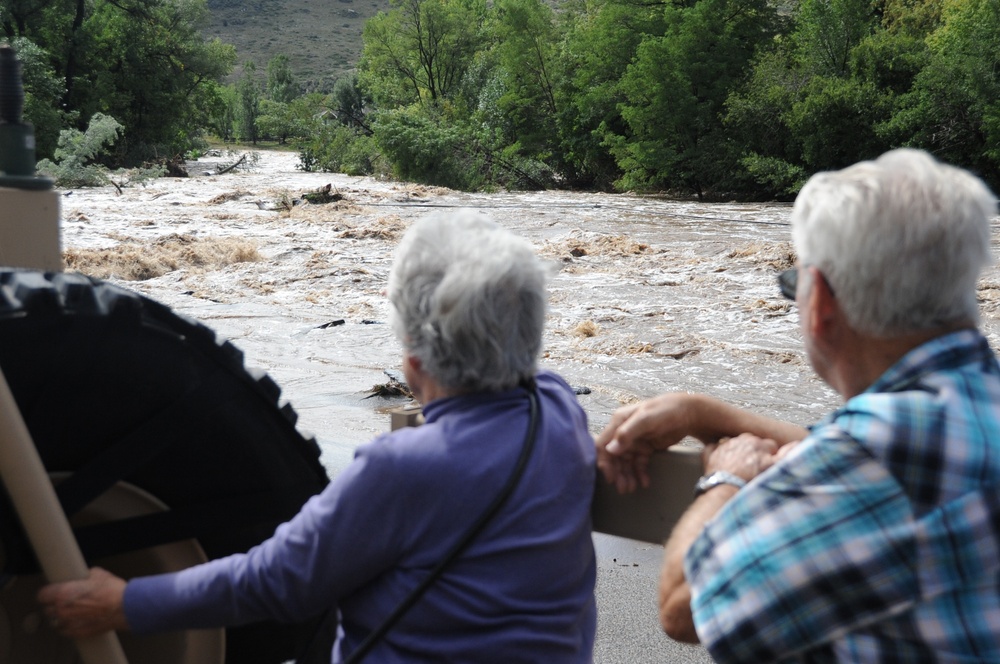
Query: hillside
[322, 39]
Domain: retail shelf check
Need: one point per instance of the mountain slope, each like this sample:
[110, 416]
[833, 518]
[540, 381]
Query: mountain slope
[322, 38]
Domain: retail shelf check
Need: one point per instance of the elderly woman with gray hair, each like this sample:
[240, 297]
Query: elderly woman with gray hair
[472, 531]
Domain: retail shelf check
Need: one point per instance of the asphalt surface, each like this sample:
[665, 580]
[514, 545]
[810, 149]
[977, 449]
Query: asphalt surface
[628, 631]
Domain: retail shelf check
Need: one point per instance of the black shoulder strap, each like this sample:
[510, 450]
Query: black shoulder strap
[522, 461]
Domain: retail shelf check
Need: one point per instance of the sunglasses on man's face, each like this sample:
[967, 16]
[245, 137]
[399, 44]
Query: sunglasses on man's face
[788, 282]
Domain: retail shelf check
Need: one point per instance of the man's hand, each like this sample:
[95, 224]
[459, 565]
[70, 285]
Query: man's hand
[638, 430]
[635, 432]
[745, 456]
[85, 608]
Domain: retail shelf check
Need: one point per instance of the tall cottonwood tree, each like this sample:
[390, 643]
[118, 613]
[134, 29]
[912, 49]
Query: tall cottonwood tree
[601, 39]
[419, 50]
[281, 84]
[247, 103]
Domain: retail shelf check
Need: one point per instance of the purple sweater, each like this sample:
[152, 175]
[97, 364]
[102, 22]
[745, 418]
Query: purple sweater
[522, 591]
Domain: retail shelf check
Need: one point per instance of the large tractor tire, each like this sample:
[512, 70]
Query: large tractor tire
[164, 448]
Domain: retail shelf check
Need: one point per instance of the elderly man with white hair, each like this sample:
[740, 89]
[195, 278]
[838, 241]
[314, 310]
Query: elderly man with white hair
[472, 530]
[873, 536]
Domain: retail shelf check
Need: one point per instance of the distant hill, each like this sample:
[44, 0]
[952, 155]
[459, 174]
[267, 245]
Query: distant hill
[322, 38]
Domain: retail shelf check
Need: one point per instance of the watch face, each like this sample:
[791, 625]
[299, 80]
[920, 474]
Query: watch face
[703, 485]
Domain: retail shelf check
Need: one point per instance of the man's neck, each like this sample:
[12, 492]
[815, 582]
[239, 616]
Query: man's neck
[866, 358]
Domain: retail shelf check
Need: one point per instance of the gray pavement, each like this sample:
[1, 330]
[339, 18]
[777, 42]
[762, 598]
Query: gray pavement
[628, 630]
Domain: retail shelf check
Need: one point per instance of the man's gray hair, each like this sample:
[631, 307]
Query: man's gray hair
[468, 300]
[901, 240]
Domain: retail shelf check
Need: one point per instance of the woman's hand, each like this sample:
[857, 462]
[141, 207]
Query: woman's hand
[87, 607]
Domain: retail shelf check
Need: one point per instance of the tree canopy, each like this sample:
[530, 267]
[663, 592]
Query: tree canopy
[712, 98]
[142, 62]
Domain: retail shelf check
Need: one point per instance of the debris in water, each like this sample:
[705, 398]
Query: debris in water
[396, 387]
[323, 195]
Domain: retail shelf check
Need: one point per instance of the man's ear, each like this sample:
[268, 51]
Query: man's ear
[823, 309]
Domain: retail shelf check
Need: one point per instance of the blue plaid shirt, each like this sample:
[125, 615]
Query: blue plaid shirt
[878, 538]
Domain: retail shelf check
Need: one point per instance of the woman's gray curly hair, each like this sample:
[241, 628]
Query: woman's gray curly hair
[468, 300]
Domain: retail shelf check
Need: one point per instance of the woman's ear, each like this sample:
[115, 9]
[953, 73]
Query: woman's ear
[412, 362]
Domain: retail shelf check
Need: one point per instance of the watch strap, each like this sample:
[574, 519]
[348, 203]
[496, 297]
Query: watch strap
[718, 478]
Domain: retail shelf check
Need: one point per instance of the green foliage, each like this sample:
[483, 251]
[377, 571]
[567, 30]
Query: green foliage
[757, 111]
[222, 116]
[143, 62]
[526, 57]
[349, 103]
[601, 39]
[148, 63]
[953, 108]
[717, 97]
[835, 123]
[43, 92]
[420, 148]
[815, 100]
[72, 167]
[675, 90]
[780, 178]
[247, 104]
[828, 30]
[890, 60]
[281, 84]
[419, 50]
[284, 121]
[336, 148]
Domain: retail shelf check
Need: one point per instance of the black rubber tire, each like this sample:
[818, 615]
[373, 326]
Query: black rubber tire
[113, 383]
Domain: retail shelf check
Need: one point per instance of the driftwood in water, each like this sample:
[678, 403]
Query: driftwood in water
[239, 161]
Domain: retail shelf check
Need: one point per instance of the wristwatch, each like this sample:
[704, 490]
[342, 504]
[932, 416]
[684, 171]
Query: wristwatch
[707, 482]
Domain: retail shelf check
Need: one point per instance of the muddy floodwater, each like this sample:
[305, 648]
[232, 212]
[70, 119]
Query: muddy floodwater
[647, 295]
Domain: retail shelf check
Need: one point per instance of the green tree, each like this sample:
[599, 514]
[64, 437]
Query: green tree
[826, 32]
[296, 119]
[248, 104]
[954, 106]
[601, 40]
[43, 92]
[422, 148]
[757, 120]
[526, 57]
[419, 50]
[675, 90]
[77, 150]
[222, 115]
[349, 104]
[145, 62]
[815, 99]
[281, 84]
[835, 122]
[149, 66]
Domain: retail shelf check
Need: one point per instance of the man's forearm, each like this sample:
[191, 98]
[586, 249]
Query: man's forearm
[717, 419]
[675, 594]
